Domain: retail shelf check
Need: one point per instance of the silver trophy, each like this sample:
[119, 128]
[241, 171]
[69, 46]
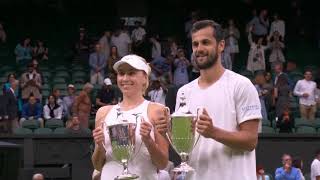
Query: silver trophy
[182, 135]
[122, 139]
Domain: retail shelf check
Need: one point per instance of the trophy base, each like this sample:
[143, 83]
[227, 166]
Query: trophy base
[183, 167]
[126, 176]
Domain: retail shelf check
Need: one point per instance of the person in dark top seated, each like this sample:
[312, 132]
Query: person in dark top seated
[285, 122]
[32, 110]
[73, 126]
[106, 96]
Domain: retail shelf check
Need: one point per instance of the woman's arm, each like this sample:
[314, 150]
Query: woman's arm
[98, 156]
[157, 148]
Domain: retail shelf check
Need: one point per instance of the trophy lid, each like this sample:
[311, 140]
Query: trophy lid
[182, 114]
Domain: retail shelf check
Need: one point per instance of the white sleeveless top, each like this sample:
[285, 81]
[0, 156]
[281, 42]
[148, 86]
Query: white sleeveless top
[141, 163]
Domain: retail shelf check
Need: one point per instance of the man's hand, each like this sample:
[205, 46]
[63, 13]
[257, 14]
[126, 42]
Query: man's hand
[161, 121]
[305, 95]
[204, 125]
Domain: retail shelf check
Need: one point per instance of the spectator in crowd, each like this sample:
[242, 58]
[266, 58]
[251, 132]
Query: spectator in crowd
[138, 36]
[3, 35]
[82, 46]
[32, 110]
[261, 173]
[318, 93]
[105, 43]
[38, 176]
[11, 106]
[82, 105]
[106, 96]
[268, 85]
[30, 84]
[282, 94]
[173, 47]
[298, 163]
[277, 25]
[122, 41]
[256, 58]
[181, 64]
[156, 47]
[260, 24]
[74, 126]
[194, 17]
[52, 110]
[305, 89]
[315, 167]
[276, 46]
[56, 94]
[278, 70]
[287, 172]
[259, 82]
[232, 36]
[158, 92]
[285, 122]
[113, 58]
[226, 60]
[40, 51]
[162, 66]
[97, 62]
[69, 100]
[23, 52]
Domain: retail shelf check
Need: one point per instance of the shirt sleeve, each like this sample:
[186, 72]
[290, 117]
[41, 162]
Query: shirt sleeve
[247, 102]
[296, 90]
[316, 169]
[280, 174]
[46, 112]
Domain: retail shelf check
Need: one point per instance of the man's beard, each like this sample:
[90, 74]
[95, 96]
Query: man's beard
[211, 61]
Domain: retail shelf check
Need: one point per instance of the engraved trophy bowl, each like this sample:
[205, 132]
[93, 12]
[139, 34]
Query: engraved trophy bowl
[121, 134]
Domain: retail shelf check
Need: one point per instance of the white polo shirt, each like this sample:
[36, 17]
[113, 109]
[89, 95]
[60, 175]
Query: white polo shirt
[230, 101]
[315, 169]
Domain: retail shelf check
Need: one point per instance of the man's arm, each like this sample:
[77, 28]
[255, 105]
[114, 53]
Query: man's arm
[280, 174]
[296, 90]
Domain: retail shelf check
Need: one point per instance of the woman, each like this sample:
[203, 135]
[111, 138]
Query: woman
[181, 64]
[82, 105]
[281, 94]
[259, 82]
[114, 57]
[52, 110]
[132, 78]
[276, 47]
[285, 121]
[268, 85]
[23, 52]
[40, 52]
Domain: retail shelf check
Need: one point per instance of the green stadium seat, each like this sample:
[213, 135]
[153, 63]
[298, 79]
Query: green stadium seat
[303, 122]
[46, 87]
[78, 80]
[31, 124]
[22, 131]
[45, 93]
[61, 68]
[266, 122]
[46, 74]
[53, 123]
[306, 130]
[78, 86]
[62, 74]
[62, 86]
[41, 131]
[3, 80]
[60, 130]
[58, 80]
[79, 74]
[267, 129]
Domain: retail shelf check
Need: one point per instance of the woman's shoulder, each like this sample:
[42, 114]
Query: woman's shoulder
[102, 112]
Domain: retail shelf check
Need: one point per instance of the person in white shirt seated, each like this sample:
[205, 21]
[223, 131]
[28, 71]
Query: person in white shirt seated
[305, 89]
[52, 110]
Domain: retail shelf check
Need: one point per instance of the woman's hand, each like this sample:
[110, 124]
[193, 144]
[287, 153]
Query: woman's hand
[145, 129]
[98, 136]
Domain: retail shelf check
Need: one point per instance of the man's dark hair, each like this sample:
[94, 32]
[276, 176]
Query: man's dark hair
[317, 152]
[217, 33]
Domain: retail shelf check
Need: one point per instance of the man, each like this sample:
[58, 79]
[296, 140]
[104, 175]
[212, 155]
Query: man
[97, 62]
[105, 43]
[260, 24]
[158, 93]
[106, 96]
[11, 105]
[68, 101]
[305, 89]
[38, 177]
[32, 110]
[287, 172]
[122, 41]
[228, 126]
[277, 25]
[138, 34]
[315, 167]
[30, 84]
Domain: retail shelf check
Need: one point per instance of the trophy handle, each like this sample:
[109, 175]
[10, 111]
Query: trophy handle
[199, 112]
[136, 150]
[168, 134]
[103, 126]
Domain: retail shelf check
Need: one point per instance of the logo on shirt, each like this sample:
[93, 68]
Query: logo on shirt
[250, 108]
